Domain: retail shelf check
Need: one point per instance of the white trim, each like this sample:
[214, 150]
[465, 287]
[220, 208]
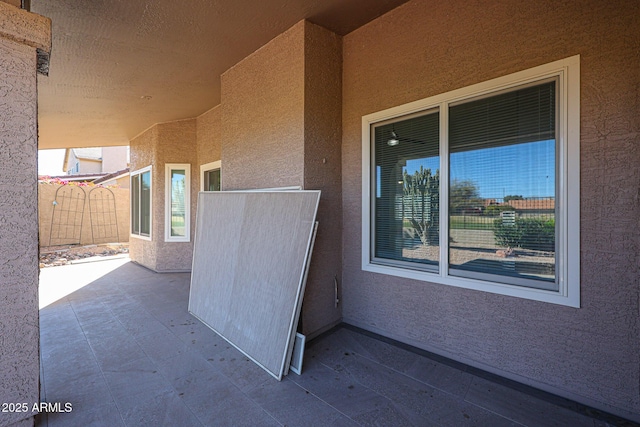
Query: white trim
[168, 167]
[207, 167]
[131, 175]
[567, 73]
[298, 354]
[290, 188]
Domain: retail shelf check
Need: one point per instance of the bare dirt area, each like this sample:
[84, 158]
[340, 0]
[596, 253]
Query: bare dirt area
[477, 247]
[69, 254]
[460, 255]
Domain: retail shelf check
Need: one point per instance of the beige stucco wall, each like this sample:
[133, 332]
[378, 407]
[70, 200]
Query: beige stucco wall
[143, 154]
[46, 197]
[208, 136]
[176, 144]
[123, 182]
[172, 142]
[15, 3]
[208, 140]
[114, 158]
[20, 33]
[87, 166]
[263, 116]
[322, 171]
[424, 48]
[280, 117]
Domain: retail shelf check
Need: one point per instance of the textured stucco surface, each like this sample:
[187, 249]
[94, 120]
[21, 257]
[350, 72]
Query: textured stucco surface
[114, 158]
[25, 28]
[19, 358]
[176, 144]
[263, 116]
[208, 138]
[322, 171]
[15, 3]
[143, 153]
[208, 142]
[110, 54]
[422, 49]
[46, 196]
[172, 142]
[280, 118]
[90, 166]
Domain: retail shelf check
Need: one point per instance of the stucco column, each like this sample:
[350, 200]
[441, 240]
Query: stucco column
[25, 43]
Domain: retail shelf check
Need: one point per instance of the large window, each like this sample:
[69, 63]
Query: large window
[141, 203]
[479, 187]
[177, 207]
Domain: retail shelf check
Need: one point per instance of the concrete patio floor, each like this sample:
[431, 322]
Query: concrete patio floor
[118, 344]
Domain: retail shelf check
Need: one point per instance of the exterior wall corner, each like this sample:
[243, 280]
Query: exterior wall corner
[21, 33]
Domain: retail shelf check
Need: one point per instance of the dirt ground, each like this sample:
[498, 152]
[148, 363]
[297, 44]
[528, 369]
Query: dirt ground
[471, 246]
[61, 255]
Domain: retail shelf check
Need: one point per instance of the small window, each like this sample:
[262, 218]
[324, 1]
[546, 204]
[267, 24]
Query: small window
[141, 203]
[210, 178]
[177, 205]
[479, 187]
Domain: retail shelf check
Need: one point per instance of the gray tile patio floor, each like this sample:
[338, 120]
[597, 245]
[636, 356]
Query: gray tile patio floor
[124, 351]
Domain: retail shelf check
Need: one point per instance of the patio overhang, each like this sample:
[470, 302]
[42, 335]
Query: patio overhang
[120, 68]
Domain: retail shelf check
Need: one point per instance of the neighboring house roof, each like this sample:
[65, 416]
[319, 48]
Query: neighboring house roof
[536, 204]
[114, 175]
[93, 153]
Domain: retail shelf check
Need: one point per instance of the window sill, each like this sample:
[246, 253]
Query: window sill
[148, 239]
[177, 240]
[554, 297]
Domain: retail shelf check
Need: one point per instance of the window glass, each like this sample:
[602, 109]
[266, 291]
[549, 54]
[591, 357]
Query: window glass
[501, 189]
[177, 202]
[141, 203]
[479, 188]
[178, 211]
[135, 204]
[502, 165]
[212, 180]
[145, 203]
[407, 188]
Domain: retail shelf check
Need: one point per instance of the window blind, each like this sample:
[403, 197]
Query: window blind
[523, 115]
[406, 223]
[502, 160]
[145, 203]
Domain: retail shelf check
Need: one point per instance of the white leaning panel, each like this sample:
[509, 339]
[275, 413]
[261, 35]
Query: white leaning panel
[250, 252]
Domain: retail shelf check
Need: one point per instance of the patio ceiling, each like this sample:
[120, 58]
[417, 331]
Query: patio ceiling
[117, 67]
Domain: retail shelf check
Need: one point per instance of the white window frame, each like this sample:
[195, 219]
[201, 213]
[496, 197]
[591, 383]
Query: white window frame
[131, 175]
[209, 167]
[567, 73]
[167, 202]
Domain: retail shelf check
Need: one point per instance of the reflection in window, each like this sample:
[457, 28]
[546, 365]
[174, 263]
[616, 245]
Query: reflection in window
[509, 186]
[145, 203]
[141, 203]
[135, 204]
[407, 202]
[502, 187]
[211, 180]
[178, 212]
[177, 202]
